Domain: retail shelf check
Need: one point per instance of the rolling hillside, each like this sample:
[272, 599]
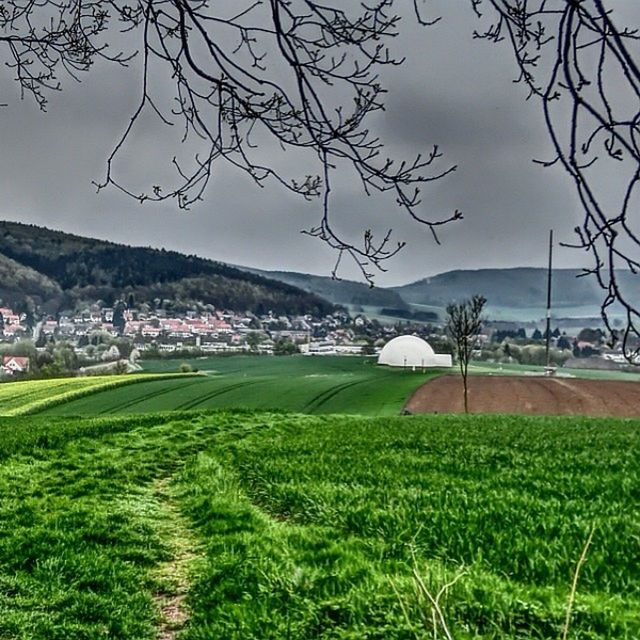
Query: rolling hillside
[517, 288]
[515, 294]
[345, 292]
[60, 270]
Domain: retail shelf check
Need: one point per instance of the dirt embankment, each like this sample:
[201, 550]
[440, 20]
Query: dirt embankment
[528, 395]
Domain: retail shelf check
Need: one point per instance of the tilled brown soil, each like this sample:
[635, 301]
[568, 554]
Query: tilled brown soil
[530, 395]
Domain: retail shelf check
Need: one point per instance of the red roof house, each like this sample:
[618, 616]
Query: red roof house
[15, 364]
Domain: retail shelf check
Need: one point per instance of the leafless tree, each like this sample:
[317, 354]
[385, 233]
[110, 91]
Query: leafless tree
[246, 74]
[580, 61]
[463, 325]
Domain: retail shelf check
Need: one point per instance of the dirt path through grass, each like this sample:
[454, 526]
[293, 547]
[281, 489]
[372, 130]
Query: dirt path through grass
[173, 574]
[92, 540]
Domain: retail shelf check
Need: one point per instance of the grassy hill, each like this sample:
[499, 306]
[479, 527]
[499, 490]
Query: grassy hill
[64, 270]
[275, 526]
[351, 385]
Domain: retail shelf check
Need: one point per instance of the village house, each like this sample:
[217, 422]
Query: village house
[14, 332]
[66, 326]
[9, 317]
[14, 365]
[49, 327]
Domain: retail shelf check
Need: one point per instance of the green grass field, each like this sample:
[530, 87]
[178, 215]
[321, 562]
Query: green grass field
[274, 526]
[32, 396]
[178, 522]
[303, 384]
[493, 368]
[313, 385]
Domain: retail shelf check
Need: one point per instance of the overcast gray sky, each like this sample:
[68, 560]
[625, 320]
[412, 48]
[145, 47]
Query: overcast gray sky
[453, 90]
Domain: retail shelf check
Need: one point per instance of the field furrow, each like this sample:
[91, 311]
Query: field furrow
[202, 399]
[326, 396]
[145, 397]
[310, 385]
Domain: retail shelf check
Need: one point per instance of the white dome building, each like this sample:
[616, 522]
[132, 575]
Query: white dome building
[411, 351]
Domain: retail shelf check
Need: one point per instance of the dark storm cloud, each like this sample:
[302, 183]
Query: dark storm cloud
[453, 91]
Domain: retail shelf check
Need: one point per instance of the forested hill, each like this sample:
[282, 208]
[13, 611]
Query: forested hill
[516, 288]
[60, 270]
[342, 292]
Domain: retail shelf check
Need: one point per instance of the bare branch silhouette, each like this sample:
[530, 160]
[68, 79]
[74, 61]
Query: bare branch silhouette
[248, 76]
[579, 60]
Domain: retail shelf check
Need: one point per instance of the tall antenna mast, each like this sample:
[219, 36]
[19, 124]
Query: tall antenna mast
[548, 334]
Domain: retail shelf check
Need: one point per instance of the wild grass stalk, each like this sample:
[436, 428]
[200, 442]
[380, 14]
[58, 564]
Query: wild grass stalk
[574, 583]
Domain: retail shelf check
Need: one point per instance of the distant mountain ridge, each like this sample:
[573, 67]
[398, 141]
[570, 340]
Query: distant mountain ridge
[519, 287]
[58, 270]
[516, 288]
[343, 292]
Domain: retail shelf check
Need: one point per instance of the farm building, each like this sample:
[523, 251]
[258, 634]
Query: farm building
[411, 351]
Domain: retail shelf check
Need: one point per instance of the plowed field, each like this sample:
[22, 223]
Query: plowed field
[530, 395]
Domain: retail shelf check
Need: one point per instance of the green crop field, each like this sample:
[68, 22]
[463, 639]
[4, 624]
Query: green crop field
[493, 368]
[179, 522]
[32, 396]
[303, 384]
[296, 365]
[244, 525]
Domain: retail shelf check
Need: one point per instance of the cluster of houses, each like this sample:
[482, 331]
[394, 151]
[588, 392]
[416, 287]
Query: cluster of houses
[12, 325]
[202, 332]
[152, 333]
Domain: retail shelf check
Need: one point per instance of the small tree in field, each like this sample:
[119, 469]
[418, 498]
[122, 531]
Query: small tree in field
[463, 327]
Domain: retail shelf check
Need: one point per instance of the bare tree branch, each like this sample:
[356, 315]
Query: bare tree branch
[302, 75]
[582, 64]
